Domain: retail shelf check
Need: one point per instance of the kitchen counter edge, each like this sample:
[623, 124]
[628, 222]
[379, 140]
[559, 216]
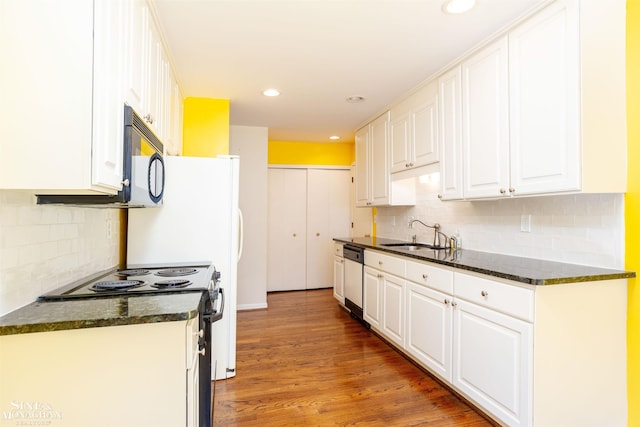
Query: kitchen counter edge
[93, 313]
[529, 271]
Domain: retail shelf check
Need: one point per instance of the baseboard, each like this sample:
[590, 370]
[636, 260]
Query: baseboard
[242, 307]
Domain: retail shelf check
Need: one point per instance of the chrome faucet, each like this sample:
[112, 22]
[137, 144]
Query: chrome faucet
[436, 234]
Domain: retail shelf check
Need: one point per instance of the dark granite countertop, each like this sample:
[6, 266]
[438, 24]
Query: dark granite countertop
[525, 270]
[92, 313]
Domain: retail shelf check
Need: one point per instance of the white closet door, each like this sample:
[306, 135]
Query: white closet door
[286, 259]
[327, 217]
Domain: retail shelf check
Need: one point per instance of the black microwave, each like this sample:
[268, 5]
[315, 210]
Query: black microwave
[143, 173]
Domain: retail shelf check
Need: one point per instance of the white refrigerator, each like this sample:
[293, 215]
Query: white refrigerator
[199, 222]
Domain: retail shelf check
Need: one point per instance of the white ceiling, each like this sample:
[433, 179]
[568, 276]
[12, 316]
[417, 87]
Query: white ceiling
[317, 53]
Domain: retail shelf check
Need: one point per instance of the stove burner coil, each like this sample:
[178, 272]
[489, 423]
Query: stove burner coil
[116, 285]
[174, 272]
[133, 272]
[172, 284]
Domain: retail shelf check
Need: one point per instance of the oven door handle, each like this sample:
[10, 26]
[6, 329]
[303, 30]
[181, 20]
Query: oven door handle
[217, 315]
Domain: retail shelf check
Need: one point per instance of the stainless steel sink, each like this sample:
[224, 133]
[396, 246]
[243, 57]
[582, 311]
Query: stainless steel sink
[411, 246]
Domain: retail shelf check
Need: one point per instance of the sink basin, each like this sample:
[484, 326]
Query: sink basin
[411, 246]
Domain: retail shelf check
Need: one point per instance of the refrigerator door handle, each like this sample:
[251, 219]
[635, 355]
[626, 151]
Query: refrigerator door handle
[240, 233]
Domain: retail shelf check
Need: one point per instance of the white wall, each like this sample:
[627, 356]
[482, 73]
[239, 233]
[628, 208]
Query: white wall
[45, 247]
[583, 229]
[251, 144]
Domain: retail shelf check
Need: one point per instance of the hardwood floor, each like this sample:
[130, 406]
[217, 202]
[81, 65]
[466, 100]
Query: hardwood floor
[305, 362]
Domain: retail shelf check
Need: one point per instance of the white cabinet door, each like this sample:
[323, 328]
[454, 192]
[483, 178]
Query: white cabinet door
[413, 130]
[173, 141]
[429, 328]
[485, 122]
[338, 278]
[327, 198]
[545, 102]
[400, 150]
[492, 361]
[450, 133]
[379, 134]
[424, 124]
[372, 298]
[393, 308]
[287, 253]
[157, 62]
[138, 53]
[108, 72]
[363, 167]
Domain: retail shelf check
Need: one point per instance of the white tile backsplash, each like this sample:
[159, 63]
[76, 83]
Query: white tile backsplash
[581, 228]
[45, 247]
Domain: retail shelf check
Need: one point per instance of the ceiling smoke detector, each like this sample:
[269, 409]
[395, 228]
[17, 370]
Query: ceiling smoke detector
[355, 99]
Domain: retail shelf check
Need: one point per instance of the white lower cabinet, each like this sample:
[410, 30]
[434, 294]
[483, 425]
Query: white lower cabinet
[492, 362]
[372, 297]
[384, 303]
[514, 350]
[393, 308]
[338, 273]
[429, 323]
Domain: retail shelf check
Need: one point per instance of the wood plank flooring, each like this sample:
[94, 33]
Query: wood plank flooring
[305, 362]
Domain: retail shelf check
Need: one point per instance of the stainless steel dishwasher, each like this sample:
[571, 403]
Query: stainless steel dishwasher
[353, 276]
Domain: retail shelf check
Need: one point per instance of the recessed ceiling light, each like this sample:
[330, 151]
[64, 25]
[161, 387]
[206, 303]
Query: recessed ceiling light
[271, 92]
[455, 7]
[355, 99]
[334, 137]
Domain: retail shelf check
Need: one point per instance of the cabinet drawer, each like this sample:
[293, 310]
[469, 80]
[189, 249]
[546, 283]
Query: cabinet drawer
[430, 275]
[337, 249]
[509, 299]
[390, 264]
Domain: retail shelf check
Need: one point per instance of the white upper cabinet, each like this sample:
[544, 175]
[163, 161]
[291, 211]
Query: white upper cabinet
[61, 96]
[374, 186]
[545, 102]
[363, 167]
[74, 64]
[379, 137]
[485, 122]
[450, 131]
[137, 88]
[543, 108]
[414, 130]
[151, 85]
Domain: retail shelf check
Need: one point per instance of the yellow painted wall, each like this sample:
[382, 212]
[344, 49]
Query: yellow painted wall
[311, 153]
[632, 208]
[205, 127]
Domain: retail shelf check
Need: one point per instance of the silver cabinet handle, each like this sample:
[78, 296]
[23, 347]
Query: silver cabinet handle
[454, 304]
[484, 293]
[317, 234]
[512, 190]
[502, 191]
[379, 262]
[425, 276]
[439, 196]
[380, 276]
[148, 118]
[446, 301]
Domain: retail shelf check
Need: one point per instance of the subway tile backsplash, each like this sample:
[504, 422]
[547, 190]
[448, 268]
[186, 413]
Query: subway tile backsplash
[581, 228]
[45, 247]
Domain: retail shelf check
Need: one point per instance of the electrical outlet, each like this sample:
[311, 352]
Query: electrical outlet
[525, 223]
